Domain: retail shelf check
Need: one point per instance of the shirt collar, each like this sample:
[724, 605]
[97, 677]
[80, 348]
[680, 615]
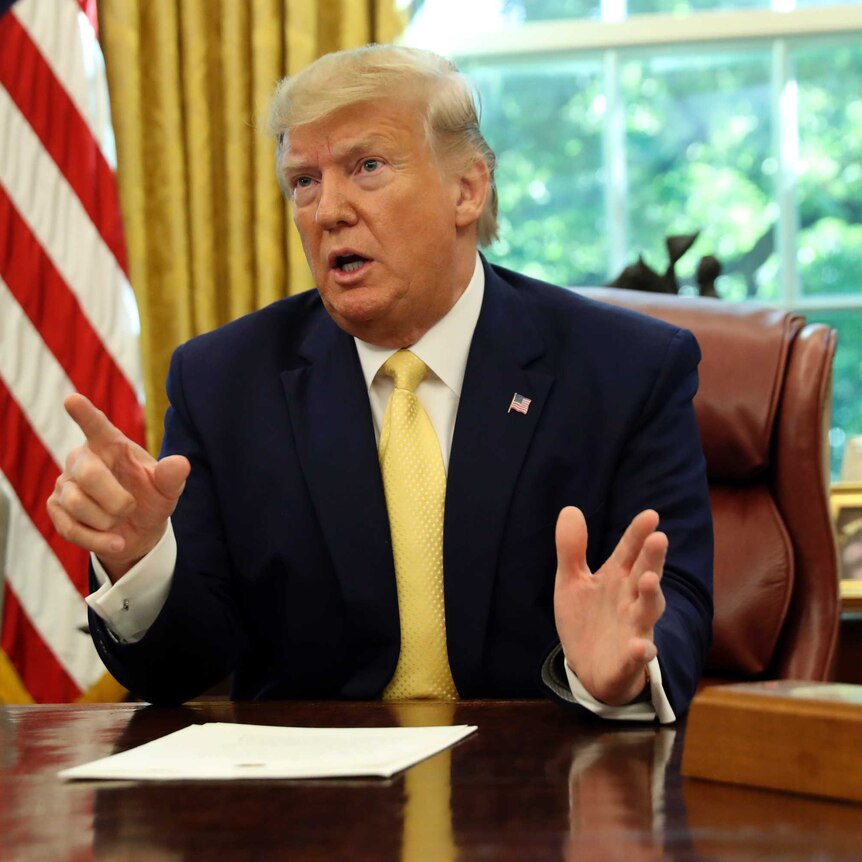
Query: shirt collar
[445, 346]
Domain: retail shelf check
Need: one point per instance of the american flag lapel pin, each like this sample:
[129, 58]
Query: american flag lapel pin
[520, 403]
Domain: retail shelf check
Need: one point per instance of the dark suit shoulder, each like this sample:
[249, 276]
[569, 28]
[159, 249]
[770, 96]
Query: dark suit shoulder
[274, 334]
[569, 320]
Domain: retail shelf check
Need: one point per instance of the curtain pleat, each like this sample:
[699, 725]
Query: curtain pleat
[208, 233]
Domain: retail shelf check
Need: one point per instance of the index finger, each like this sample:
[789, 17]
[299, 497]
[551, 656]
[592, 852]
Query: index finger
[630, 545]
[96, 426]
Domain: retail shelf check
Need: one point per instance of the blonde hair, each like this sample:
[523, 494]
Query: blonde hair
[442, 94]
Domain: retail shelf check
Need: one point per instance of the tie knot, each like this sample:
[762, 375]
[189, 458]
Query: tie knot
[406, 369]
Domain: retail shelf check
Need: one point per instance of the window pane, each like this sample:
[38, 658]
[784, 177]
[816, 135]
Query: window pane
[698, 143]
[801, 4]
[677, 7]
[471, 14]
[545, 122]
[549, 10]
[847, 381]
[830, 174]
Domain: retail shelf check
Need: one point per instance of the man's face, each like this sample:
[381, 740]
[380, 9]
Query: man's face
[382, 224]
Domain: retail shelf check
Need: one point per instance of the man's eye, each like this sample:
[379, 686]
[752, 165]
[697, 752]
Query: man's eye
[302, 182]
[370, 165]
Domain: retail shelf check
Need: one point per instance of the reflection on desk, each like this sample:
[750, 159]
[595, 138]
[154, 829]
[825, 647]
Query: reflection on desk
[534, 783]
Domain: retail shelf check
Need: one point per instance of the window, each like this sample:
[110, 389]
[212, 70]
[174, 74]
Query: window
[616, 126]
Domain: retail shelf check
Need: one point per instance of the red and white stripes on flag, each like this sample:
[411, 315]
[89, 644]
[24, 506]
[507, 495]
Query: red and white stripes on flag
[68, 322]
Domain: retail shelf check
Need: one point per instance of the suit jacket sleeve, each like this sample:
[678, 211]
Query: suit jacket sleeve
[661, 466]
[162, 667]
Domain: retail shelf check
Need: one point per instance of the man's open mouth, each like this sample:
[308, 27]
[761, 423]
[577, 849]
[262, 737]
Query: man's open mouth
[350, 262]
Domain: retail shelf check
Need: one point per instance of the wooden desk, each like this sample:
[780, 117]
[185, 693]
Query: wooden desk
[534, 783]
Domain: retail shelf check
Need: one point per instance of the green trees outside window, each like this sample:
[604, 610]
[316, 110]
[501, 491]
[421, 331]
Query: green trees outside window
[608, 146]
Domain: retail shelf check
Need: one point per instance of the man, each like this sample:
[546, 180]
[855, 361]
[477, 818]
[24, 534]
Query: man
[262, 543]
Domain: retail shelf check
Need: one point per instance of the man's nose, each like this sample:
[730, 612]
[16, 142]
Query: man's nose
[334, 205]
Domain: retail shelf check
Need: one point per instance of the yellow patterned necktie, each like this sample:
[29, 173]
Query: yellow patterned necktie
[415, 485]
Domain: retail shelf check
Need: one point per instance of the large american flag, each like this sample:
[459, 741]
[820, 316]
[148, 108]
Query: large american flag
[68, 322]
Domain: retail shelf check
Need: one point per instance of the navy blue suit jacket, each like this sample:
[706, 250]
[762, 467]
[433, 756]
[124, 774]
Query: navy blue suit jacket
[284, 572]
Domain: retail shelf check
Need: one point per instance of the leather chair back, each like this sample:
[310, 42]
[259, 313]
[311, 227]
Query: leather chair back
[763, 408]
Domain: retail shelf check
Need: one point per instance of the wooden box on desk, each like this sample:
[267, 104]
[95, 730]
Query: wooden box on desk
[805, 737]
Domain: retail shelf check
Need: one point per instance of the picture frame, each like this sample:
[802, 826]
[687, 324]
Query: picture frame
[846, 505]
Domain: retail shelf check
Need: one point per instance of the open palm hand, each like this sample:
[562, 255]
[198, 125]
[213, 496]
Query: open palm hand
[605, 619]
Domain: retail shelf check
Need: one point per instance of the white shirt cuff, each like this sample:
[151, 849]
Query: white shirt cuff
[657, 707]
[130, 606]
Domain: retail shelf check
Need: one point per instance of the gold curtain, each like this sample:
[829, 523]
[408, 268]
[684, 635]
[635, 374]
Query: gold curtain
[208, 233]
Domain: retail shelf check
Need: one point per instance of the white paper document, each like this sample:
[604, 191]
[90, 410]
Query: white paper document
[227, 751]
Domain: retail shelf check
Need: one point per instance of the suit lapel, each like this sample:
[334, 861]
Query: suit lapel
[488, 450]
[332, 424]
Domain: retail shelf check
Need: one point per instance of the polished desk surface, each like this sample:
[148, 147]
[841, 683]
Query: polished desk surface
[534, 783]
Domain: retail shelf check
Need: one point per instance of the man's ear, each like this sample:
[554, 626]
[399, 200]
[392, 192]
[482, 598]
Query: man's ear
[473, 185]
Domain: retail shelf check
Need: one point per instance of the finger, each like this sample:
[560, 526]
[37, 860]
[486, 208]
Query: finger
[81, 508]
[571, 540]
[630, 545]
[97, 481]
[170, 475]
[651, 559]
[650, 601]
[653, 553]
[98, 542]
[639, 652]
[96, 426]
[642, 651]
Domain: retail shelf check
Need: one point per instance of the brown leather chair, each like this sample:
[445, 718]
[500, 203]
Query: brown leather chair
[763, 409]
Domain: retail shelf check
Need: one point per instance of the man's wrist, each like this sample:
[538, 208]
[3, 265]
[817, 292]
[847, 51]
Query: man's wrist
[115, 569]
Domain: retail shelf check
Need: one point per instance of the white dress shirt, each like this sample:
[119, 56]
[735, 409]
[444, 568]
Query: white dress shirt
[130, 606]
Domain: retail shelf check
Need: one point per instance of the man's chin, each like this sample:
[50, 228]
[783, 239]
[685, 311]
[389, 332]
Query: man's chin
[374, 326]
[356, 309]
[361, 319]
